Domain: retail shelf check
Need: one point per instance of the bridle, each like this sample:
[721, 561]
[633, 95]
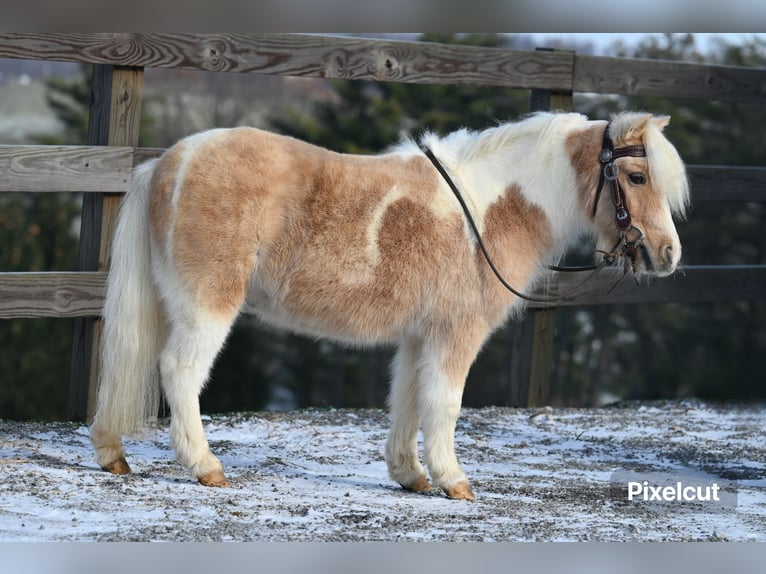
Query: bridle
[626, 246]
[630, 236]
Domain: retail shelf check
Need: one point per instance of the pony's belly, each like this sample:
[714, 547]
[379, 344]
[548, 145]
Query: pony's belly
[348, 327]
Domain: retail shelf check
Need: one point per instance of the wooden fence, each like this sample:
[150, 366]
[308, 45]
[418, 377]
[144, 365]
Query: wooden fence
[102, 169]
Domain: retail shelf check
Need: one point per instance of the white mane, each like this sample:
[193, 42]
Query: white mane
[549, 131]
[465, 145]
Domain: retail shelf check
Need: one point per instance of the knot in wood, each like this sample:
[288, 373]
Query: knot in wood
[387, 65]
[213, 57]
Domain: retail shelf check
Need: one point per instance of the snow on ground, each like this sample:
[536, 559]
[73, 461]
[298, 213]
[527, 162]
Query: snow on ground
[319, 475]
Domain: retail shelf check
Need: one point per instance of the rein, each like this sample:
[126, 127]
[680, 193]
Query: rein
[609, 173]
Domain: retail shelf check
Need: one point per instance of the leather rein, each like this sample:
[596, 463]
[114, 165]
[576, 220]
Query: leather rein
[625, 248]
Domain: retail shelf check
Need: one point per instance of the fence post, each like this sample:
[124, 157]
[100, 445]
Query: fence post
[114, 119]
[532, 337]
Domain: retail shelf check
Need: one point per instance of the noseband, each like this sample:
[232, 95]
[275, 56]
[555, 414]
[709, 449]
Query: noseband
[630, 235]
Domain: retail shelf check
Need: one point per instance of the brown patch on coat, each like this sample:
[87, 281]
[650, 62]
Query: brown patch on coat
[517, 234]
[584, 147]
[222, 214]
[332, 283]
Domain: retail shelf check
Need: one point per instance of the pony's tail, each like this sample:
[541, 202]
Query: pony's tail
[133, 324]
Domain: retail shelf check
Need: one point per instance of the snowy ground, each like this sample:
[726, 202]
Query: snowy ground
[542, 474]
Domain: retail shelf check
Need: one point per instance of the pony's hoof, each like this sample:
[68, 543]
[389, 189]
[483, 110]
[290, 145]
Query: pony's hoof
[420, 484]
[214, 478]
[119, 466]
[461, 491]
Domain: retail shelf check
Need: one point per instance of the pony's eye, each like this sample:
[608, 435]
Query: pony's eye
[637, 178]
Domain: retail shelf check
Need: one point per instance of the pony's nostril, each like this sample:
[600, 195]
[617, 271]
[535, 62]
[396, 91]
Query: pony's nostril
[667, 254]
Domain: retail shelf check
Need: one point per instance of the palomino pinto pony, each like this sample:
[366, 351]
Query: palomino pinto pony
[366, 251]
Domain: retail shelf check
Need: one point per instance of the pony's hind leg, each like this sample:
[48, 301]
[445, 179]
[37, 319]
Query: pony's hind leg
[185, 362]
[402, 446]
[110, 454]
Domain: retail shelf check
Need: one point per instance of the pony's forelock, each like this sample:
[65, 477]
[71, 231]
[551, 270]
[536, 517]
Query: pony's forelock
[665, 165]
[667, 169]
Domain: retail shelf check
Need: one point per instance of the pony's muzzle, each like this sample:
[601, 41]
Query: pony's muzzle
[668, 259]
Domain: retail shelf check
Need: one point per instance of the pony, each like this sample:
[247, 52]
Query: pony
[365, 250]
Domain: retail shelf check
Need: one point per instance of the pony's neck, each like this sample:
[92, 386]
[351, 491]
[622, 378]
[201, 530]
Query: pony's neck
[532, 158]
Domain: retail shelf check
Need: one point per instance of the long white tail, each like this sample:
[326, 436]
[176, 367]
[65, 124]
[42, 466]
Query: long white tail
[133, 325]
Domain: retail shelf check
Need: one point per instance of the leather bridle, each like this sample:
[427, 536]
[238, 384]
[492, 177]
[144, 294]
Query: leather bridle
[630, 237]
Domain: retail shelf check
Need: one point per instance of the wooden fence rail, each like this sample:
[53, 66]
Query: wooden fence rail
[102, 170]
[44, 169]
[81, 294]
[416, 62]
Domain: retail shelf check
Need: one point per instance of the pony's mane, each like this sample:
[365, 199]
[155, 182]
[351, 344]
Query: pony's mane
[550, 128]
[465, 145]
[665, 165]
[545, 126]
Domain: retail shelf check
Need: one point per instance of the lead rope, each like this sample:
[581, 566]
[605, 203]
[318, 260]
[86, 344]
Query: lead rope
[608, 259]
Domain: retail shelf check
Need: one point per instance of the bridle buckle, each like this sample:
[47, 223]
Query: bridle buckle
[610, 171]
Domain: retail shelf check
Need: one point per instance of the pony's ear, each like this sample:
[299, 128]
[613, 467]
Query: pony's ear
[630, 126]
[661, 121]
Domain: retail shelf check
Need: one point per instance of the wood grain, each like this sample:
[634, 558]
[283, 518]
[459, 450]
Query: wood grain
[65, 168]
[303, 55]
[99, 169]
[640, 77]
[80, 294]
[364, 59]
[61, 294]
[114, 120]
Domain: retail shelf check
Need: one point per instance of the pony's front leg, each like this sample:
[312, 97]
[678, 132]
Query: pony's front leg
[444, 367]
[402, 446]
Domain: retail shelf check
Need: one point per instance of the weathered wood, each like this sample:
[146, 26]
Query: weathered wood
[82, 363]
[693, 284]
[303, 55]
[81, 294]
[99, 169]
[65, 168]
[640, 77]
[115, 121]
[57, 295]
[365, 59]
